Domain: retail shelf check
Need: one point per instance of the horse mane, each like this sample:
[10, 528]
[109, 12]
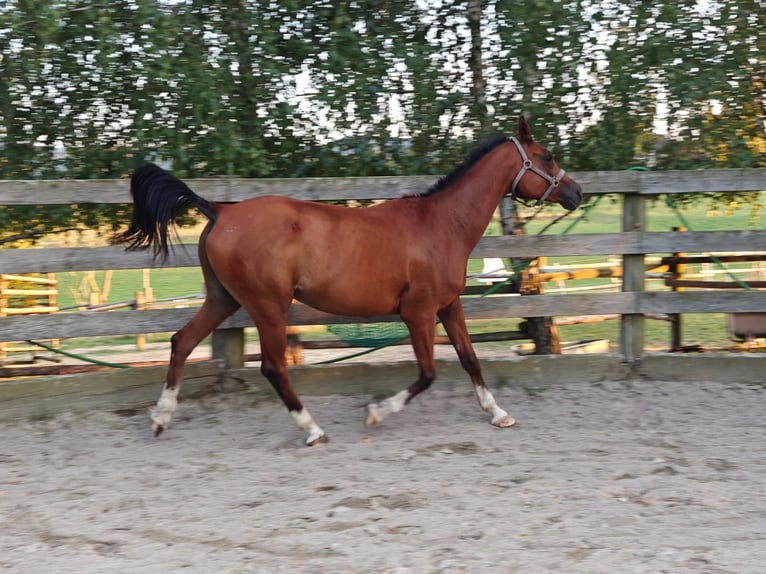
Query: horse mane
[473, 156]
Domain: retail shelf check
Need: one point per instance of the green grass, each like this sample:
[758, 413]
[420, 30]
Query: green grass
[705, 214]
[165, 283]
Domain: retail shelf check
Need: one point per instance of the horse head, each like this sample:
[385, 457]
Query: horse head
[551, 184]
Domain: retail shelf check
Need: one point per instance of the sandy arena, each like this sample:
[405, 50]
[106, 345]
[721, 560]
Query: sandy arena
[616, 477]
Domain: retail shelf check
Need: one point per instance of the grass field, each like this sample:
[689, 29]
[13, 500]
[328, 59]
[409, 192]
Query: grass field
[709, 331]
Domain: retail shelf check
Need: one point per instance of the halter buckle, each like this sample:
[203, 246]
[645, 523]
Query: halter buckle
[526, 165]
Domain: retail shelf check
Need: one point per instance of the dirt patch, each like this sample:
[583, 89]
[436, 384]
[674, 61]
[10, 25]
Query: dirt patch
[616, 477]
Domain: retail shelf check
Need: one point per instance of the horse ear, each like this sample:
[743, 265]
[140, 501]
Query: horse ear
[525, 133]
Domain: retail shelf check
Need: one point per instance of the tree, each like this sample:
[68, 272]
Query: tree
[259, 88]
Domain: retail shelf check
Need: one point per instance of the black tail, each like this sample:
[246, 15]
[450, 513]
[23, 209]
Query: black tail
[158, 197]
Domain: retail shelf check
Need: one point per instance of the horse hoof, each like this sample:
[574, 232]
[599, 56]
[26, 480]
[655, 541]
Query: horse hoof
[317, 441]
[157, 429]
[504, 422]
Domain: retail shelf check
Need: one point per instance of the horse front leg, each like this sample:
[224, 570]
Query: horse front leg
[422, 332]
[272, 331]
[182, 343]
[453, 319]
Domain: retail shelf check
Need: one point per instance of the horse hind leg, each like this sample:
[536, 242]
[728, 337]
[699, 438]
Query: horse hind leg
[272, 331]
[218, 305]
[453, 320]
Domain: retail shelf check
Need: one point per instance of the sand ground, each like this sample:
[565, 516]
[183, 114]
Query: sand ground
[616, 477]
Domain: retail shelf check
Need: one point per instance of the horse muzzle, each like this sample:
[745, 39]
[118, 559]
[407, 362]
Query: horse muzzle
[570, 195]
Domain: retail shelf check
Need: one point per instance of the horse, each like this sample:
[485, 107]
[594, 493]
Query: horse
[405, 256]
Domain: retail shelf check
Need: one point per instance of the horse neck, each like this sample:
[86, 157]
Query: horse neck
[467, 206]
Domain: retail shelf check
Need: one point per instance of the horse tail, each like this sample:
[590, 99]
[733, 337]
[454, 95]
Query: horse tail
[158, 198]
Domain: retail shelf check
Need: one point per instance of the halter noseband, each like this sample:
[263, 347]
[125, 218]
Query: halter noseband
[526, 165]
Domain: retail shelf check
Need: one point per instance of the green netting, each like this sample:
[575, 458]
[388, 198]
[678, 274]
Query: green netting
[369, 334]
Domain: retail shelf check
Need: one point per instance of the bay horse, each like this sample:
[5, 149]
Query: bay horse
[404, 256]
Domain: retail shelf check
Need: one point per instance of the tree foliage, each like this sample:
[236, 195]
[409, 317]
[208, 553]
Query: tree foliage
[259, 88]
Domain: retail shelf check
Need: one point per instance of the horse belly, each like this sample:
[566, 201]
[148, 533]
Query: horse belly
[356, 299]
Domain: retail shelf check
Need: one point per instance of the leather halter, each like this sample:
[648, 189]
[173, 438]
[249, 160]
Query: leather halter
[526, 165]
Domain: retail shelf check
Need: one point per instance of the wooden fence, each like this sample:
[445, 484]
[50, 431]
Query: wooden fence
[633, 245]
[24, 294]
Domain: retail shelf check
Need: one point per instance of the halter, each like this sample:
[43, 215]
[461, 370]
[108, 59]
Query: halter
[526, 165]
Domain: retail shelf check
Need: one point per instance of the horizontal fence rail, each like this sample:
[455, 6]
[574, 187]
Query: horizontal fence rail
[61, 259]
[632, 245]
[64, 325]
[52, 192]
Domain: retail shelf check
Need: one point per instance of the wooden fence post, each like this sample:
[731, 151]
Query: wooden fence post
[3, 306]
[140, 306]
[633, 278]
[294, 350]
[53, 301]
[676, 272]
[229, 346]
[542, 330]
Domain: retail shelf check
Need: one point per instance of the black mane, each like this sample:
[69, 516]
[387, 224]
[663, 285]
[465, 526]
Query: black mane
[475, 155]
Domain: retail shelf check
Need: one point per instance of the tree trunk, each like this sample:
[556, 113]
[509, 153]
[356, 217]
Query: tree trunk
[475, 63]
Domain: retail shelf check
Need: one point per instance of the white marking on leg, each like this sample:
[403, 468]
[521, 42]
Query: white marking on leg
[500, 418]
[377, 412]
[163, 411]
[306, 423]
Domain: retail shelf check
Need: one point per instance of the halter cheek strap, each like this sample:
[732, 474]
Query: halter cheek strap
[527, 165]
